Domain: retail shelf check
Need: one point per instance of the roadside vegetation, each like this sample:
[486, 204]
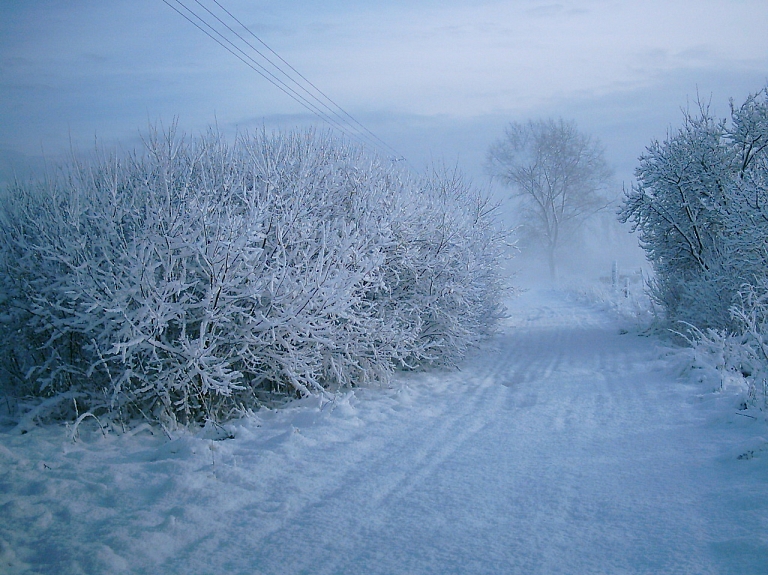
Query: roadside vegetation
[196, 279]
[700, 207]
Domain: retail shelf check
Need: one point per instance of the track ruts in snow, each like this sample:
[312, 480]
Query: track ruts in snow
[560, 447]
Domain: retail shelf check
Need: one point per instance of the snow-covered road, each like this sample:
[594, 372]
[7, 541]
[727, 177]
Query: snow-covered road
[562, 447]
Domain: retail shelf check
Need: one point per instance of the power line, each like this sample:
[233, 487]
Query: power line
[255, 66]
[338, 118]
[277, 67]
[300, 75]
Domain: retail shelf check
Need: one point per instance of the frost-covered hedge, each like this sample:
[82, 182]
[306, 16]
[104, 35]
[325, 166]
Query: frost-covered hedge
[701, 208]
[190, 279]
[737, 359]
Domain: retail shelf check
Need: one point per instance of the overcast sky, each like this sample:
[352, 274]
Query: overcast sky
[435, 79]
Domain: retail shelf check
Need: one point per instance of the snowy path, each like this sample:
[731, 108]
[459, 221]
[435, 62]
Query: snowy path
[564, 447]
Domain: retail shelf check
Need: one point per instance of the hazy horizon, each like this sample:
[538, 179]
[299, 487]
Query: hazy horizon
[437, 81]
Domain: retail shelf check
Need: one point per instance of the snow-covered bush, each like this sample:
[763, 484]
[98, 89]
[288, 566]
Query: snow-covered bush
[622, 294]
[700, 208]
[736, 361]
[187, 281]
[441, 271]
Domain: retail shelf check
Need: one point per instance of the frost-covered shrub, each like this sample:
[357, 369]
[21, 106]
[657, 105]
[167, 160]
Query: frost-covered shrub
[751, 353]
[186, 281]
[700, 206]
[441, 273]
[737, 359]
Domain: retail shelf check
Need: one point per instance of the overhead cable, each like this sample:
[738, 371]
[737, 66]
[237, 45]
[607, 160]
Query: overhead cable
[255, 66]
[277, 67]
[314, 99]
[302, 77]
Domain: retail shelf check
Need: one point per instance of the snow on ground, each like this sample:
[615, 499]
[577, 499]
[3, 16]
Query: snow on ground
[563, 446]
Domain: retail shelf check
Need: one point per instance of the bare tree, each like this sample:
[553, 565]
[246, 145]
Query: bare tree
[558, 174]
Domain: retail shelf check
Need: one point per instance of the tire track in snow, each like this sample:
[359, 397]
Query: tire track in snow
[561, 447]
[554, 452]
[374, 469]
[583, 468]
[466, 404]
[473, 400]
[382, 482]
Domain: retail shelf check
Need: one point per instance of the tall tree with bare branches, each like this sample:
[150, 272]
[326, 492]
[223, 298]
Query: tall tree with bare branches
[557, 173]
